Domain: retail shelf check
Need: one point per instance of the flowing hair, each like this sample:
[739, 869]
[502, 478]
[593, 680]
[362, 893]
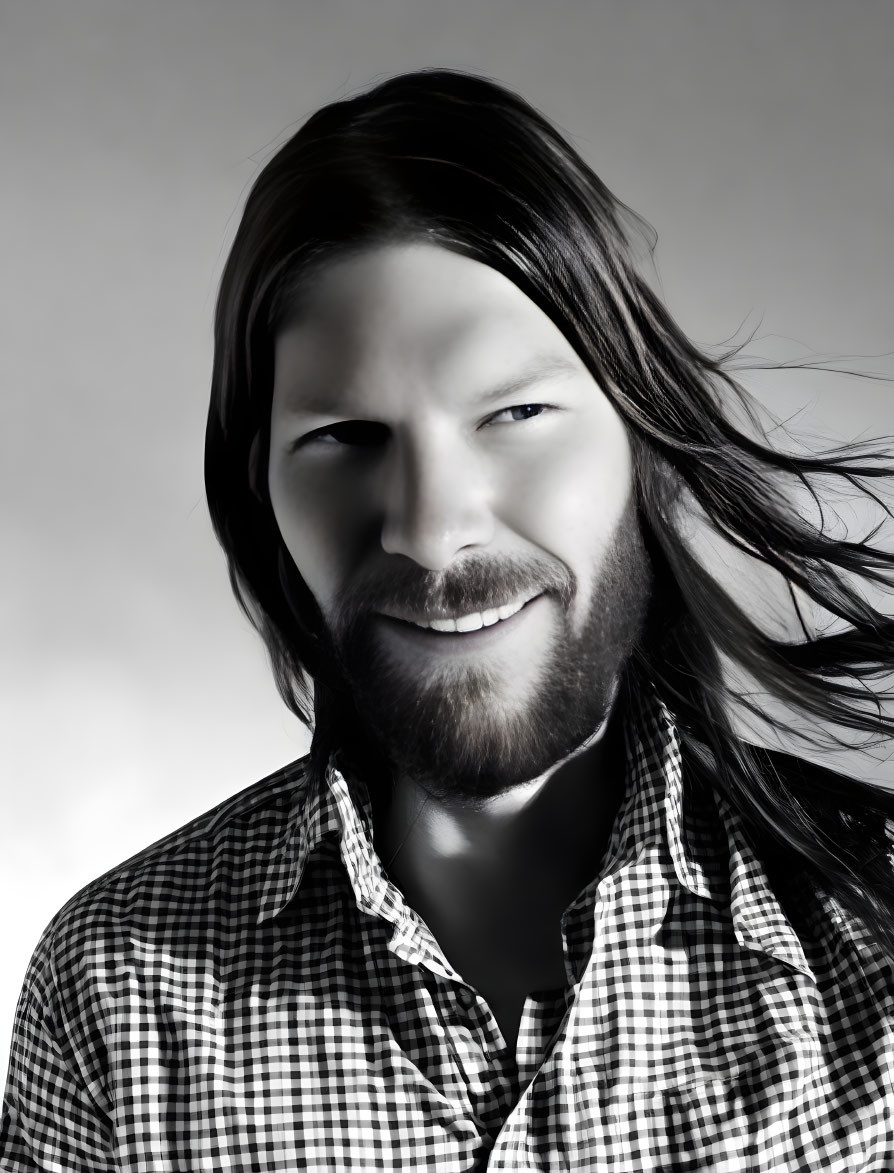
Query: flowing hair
[460, 161]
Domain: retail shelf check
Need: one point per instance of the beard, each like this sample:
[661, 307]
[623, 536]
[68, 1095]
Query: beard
[452, 731]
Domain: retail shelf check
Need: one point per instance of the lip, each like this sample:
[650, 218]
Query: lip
[451, 642]
[441, 613]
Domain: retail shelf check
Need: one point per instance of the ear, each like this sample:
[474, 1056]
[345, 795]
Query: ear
[257, 483]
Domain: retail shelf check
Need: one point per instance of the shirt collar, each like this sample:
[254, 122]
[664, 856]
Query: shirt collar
[709, 851]
[710, 855]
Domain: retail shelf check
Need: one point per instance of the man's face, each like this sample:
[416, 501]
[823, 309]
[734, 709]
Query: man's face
[439, 457]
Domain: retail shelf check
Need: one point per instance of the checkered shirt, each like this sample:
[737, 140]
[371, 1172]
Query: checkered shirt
[252, 993]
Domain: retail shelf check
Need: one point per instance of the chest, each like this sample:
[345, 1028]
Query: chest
[322, 1081]
[506, 966]
[317, 1047]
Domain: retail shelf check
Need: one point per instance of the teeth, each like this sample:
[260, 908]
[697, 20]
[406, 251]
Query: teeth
[440, 624]
[476, 619]
[469, 622]
[509, 609]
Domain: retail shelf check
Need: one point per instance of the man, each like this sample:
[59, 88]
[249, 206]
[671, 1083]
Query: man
[528, 903]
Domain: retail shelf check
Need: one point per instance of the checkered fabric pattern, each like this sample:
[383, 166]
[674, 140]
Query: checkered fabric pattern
[252, 993]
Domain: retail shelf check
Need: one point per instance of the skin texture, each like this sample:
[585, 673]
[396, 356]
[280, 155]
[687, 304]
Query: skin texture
[438, 448]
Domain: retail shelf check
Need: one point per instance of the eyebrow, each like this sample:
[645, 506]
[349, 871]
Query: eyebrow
[541, 367]
[538, 368]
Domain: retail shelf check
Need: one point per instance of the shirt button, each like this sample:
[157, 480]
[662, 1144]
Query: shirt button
[466, 997]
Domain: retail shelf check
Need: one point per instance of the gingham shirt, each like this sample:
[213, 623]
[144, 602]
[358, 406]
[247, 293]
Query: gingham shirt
[252, 993]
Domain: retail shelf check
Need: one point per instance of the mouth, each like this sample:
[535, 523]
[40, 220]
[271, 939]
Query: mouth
[455, 632]
[464, 624]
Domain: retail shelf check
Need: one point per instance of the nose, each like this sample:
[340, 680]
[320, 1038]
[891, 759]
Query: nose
[436, 502]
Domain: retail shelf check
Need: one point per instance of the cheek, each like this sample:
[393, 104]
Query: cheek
[321, 528]
[573, 502]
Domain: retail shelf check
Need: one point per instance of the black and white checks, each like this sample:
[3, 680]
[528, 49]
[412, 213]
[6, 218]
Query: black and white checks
[253, 994]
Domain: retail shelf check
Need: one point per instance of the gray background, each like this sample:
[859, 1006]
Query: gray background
[756, 136]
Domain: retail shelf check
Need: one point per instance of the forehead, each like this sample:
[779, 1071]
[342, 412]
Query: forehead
[410, 308]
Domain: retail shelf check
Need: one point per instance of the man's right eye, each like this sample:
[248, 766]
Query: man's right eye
[350, 433]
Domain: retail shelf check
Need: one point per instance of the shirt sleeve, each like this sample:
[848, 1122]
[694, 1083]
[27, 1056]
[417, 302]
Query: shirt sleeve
[50, 1121]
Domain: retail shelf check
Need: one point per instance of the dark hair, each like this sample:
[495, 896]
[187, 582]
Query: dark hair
[461, 161]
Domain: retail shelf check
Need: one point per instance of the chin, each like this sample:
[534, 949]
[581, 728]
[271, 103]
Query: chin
[465, 743]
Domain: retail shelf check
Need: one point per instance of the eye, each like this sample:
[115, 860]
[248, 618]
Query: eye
[521, 412]
[350, 433]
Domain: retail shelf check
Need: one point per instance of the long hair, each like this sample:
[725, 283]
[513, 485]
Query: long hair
[460, 161]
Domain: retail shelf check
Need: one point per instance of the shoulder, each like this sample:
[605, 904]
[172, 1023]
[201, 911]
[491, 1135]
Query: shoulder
[786, 799]
[832, 798]
[209, 867]
[824, 792]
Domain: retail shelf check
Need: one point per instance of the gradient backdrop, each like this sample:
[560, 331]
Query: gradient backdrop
[756, 136]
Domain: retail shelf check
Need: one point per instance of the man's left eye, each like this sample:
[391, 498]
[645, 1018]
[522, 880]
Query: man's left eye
[523, 411]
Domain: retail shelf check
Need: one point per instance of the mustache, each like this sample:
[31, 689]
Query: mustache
[476, 584]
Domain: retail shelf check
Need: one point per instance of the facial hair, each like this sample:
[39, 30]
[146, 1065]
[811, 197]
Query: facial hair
[450, 731]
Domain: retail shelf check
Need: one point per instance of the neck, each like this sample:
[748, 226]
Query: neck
[543, 840]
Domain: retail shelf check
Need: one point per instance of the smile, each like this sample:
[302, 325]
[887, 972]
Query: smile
[474, 621]
[460, 625]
